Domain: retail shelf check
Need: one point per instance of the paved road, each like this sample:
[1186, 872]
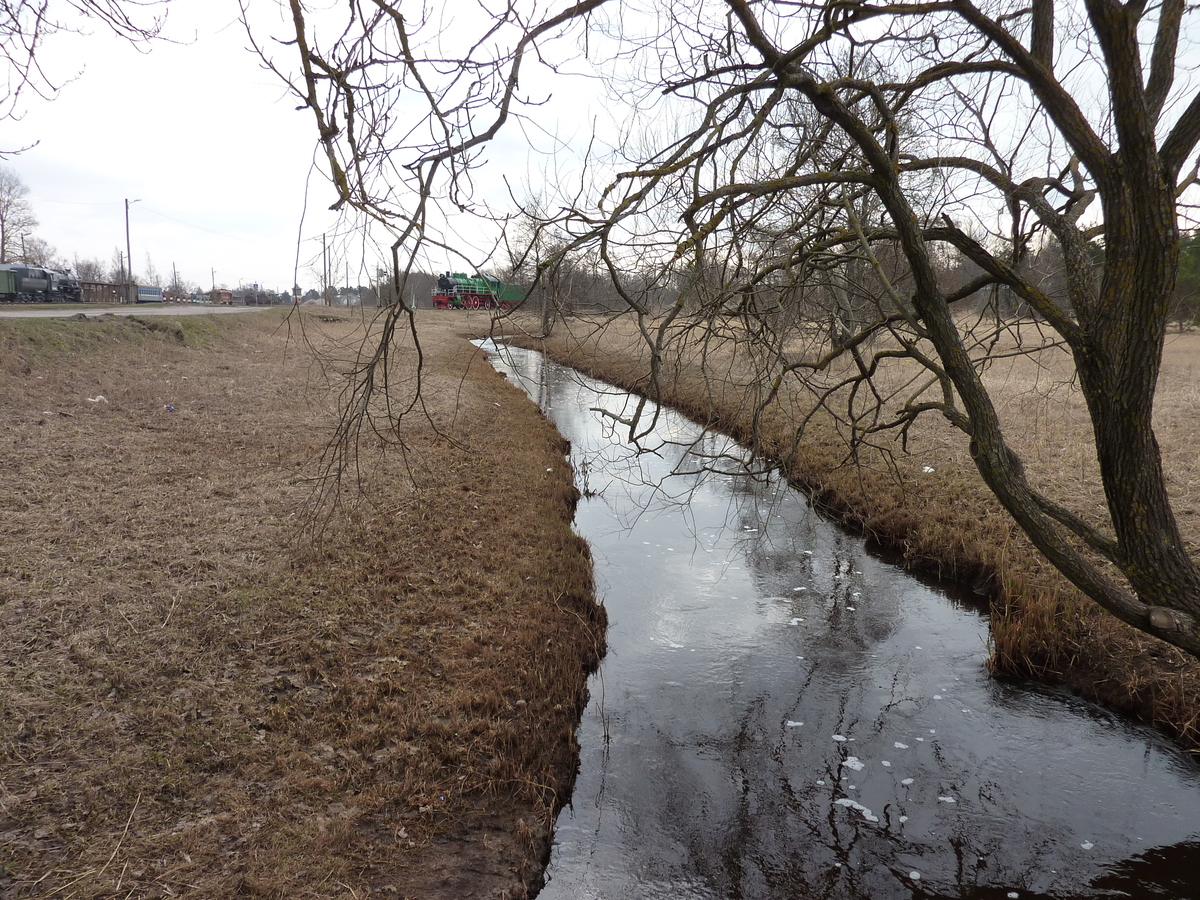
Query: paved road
[140, 309]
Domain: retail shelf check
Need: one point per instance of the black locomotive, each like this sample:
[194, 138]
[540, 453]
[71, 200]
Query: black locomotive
[34, 284]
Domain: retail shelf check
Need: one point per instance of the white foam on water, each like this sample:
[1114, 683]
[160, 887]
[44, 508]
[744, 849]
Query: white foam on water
[838, 737]
[851, 804]
[900, 746]
[794, 724]
[885, 764]
[907, 781]
[1087, 845]
[853, 762]
[947, 800]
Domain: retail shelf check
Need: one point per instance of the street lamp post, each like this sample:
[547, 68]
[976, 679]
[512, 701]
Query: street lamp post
[129, 298]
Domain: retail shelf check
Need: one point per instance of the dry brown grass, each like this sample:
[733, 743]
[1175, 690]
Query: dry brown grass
[947, 522]
[196, 702]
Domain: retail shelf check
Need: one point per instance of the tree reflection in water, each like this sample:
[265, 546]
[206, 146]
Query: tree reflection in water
[764, 666]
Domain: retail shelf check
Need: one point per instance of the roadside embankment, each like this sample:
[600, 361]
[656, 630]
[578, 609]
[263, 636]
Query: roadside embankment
[927, 500]
[205, 690]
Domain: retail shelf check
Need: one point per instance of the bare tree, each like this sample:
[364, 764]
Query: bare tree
[16, 215]
[89, 269]
[1124, 159]
[827, 160]
[39, 252]
[152, 276]
[119, 270]
[178, 287]
[25, 26]
[540, 255]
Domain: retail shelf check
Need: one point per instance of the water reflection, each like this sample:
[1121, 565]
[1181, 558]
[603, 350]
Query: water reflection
[783, 714]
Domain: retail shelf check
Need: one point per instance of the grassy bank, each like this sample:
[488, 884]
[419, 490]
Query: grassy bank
[931, 504]
[206, 693]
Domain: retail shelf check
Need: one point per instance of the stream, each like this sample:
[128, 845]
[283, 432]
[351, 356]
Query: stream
[784, 712]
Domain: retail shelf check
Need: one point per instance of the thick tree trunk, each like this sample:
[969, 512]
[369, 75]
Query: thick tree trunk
[1118, 376]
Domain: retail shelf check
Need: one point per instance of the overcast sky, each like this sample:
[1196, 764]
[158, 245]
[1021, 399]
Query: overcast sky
[205, 140]
[215, 153]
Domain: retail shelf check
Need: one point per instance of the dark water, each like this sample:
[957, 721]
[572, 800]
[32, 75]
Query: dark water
[783, 714]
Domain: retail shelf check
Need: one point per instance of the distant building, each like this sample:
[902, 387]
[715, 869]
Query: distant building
[221, 297]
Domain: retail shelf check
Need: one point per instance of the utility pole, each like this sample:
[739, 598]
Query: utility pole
[129, 298]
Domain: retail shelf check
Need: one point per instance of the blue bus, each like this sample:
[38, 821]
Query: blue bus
[149, 294]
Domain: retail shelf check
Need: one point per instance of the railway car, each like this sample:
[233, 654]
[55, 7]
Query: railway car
[149, 294]
[34, 284]
[8, 285]
[458, 291]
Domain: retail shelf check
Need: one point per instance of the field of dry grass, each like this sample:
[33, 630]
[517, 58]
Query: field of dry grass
[203, 693]
[207, 692]
[931, 504]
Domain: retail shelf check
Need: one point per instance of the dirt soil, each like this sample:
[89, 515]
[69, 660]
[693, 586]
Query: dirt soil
[206, 691]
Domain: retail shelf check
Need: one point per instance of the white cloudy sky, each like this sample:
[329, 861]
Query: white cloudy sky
[218, 157]
[210, 145]
[205, 139]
